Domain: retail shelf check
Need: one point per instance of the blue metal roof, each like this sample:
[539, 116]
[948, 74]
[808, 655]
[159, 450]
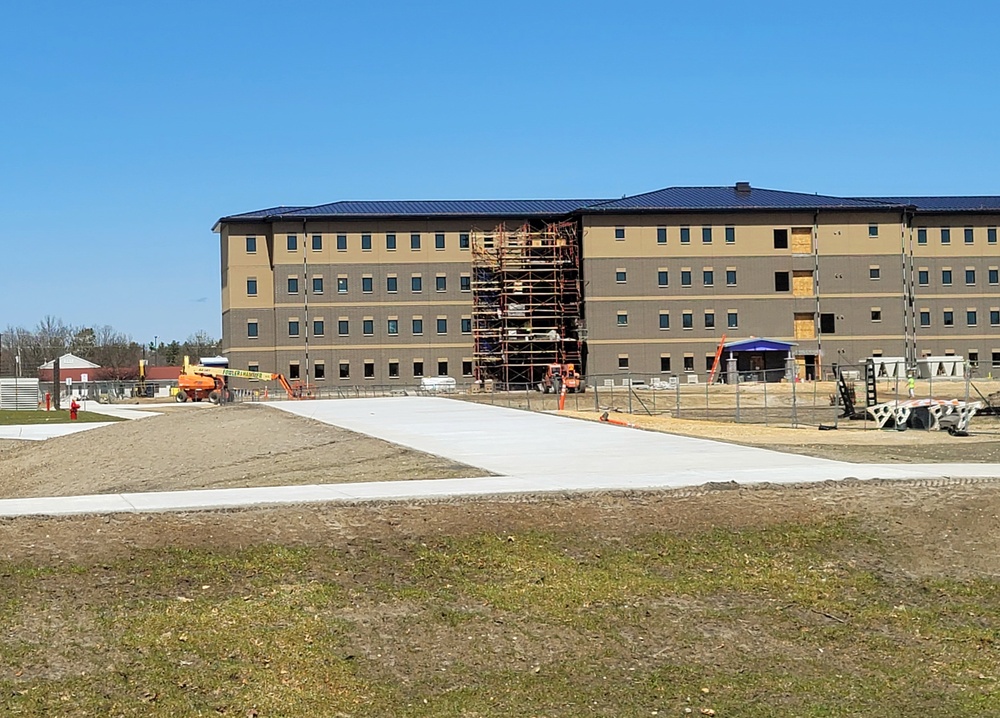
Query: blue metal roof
[758, 344]
[260, 213]
[947, 204]
[674, 199]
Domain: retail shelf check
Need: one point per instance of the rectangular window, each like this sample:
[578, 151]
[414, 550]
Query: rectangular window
[945, 235]
[664, 320]
[948, 318]
[991, 235]
[319, 327]
[946, 276]
[463, 240]
[251, 287]
[664, 363]
[970, 276]
[293, 285]
[418, 367]
[706, 235]
[687, 320]
[466, 325]
[442, 325]
[781, 282]
[368, 326]
[994, 317]
[439, 240]
[925, 318]
[415, 241]
[876, 314]
[317, 242]
[730, 235]
[874, 272]
[732, 320]
[367, 285]
[251, 245]
[253, 366]
[392, 326]
[390, 241]
[341, 285]
[708, 278]
[661, 235]
[994, 275]
[252, 330]
[872, 231]
[688, 362]
[293, 327]
[923, 277]
[366, 243]
[442, 367]
[319, 370]
[620, 276]
[730, 277]
[418, 326]
[971, 318]
[394, 370]
[685, 277]
[828, 323]
[291, 242]
[709, 320]
[391, 284]
[623, 319]
[341, 242]
[293, 370]
[465, 283]
[921, 235]
[781, 239]
[343, 327]
[466, 367]
[317, 285]
[662, 278]
[440, 283]
[619, 233]
[345, 370]
[969, 236]
[369, 369]
[685, 235]
[416, 283]
[623, 361]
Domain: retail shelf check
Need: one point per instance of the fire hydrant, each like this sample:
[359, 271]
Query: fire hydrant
[73, 409]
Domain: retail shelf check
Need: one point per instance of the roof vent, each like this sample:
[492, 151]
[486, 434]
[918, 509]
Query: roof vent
[743, 188]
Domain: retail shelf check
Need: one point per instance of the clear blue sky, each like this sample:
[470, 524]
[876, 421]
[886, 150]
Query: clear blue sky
[128, 128]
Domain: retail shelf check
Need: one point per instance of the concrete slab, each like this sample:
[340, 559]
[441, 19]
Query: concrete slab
[40, 432]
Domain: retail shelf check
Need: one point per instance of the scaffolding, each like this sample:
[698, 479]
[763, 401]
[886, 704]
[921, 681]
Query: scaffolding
[526, 306]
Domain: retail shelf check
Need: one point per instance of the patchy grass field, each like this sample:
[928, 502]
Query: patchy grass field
[10, 417]
[643, 606]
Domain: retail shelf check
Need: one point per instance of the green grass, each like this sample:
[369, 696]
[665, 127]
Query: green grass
[10, 417]
[791, 620]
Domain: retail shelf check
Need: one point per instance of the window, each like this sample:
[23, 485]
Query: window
[946, 276]
[664, 320]
[293, 285]
[319, 327]
[974, 359]
[991, 235]
[440, 283]
[623, 319]
[252, 366]
[465, 283]
[252, 330]
[369, 369]
[317, 243]
[993, 276]
[291, 242]
[970, 276]
[366, 243]
[391, 284]
[345, 370]
[730, 235]
[623, 361]
[620, 276]
[828, 323]
[367, 285]
[945, 235]
[709, 320]
[390, 241]
[874, 272]
[293, 327]
[732, 320]
[661, 235]
[392, 326]
[688, 363]
[416, 283]
[317, 285]
[971, 317]
[394, 370]
[685, 277]
[252, 244]
[969, 236]
[994, 317]
[873, 231]
[708, 278]
[619, 233]
[876, 314]
[319, 370]
[687, 320]
[466, 325]
[442, 367]
[343, 327]
[949, 318]
[415, 241]
[706, 235]
[781, 283]
[293, 370]
[730, 277]
[442, 325]
[466, 367]
[418, 326]
[418, 367]
[341, 242]
[664, 363]
[925, 318]
[921, 235]
[662, 278]
[923, 277]
[439, 241]
[251, 287]
[781, 239]
[368, 326]
[341, 285]
[463, 240]
[685, 235]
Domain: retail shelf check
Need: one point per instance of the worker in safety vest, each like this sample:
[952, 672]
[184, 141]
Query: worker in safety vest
[911, 385]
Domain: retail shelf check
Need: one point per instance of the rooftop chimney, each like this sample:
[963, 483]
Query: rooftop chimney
[743, 188]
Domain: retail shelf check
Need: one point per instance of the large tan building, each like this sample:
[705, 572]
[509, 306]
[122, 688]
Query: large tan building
[389, 292]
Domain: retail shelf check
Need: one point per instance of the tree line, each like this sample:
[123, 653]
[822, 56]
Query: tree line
[116, 352]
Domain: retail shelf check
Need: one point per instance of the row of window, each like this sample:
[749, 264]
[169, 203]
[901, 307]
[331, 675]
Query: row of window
[948, 317]
[365, 241]
[947, 277]
[367, 327]
[367, 284]
[969, 235]
[687, 319]
[368, 369]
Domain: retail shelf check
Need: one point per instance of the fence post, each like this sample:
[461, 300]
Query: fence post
[795, 415]
[629, 380]
[764, 373]
[737, 376]
[677, 387]
[706, 402]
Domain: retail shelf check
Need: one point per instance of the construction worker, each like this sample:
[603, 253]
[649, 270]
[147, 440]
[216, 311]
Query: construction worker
[73, 409]
[911, 385]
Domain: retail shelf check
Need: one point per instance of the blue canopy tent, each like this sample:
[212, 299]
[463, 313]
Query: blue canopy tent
[758, 359]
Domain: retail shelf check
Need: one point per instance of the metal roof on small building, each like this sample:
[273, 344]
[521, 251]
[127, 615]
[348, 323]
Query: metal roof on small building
[758, 344]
